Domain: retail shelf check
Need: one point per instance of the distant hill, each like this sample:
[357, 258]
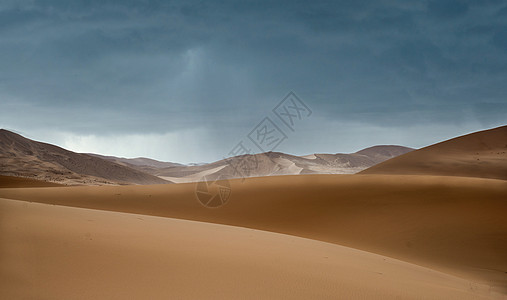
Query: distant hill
[23, 157]
[277, 163]
[139, 161]
[143, 164]
[479, 154]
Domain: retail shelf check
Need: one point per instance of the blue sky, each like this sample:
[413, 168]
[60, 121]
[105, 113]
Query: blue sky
[185, 81]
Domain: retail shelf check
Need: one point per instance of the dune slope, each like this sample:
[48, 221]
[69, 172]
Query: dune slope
[20, 182]
[480, 154]
[53, 252]
[456, 225]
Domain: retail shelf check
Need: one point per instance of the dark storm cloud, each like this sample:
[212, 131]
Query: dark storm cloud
[154, 66]
[447, 9]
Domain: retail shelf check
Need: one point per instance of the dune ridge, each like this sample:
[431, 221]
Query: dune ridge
[451, 224]
[73, 255]
[479, 154]
[21, 182]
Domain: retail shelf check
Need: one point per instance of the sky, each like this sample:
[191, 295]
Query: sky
[188, 81]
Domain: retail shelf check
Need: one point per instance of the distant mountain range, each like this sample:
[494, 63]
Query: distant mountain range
[23, 157]
[276, 163]
[480, 154]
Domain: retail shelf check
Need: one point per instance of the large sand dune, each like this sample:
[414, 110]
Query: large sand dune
[479, 154]
[456, 225]
[78, 253]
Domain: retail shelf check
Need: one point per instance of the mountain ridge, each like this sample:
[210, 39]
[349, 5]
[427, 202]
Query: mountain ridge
[279, 163]
[23, 157]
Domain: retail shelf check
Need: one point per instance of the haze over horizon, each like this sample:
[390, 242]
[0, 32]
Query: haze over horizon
[185, 81]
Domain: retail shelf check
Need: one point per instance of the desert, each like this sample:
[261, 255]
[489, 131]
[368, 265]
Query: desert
[446, 233]
[228, 150]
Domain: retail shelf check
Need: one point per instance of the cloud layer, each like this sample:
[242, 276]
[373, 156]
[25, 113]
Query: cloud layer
[212, 70]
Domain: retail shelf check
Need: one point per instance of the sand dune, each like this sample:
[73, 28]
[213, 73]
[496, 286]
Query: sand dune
[195, 177]
[455, 225]
[479, 154]
[20, 182]
[87, 254]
